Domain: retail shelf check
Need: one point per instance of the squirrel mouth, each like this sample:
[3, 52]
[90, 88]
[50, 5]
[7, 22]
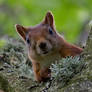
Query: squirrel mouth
[45, 52]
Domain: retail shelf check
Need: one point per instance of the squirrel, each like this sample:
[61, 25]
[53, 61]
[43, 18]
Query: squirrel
[45, 46]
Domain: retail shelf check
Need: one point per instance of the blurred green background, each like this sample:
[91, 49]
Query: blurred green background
[69, 15]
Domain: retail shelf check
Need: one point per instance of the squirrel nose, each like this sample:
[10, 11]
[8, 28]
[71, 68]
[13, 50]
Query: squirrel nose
[42, 45]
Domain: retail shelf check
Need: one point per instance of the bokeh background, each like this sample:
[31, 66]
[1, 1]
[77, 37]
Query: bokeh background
[70, 15]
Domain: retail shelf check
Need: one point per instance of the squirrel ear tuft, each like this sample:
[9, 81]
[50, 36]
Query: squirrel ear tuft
[49, 19]
[21, 31]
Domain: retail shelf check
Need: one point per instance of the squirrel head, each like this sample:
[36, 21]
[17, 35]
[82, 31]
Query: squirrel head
[41, 39]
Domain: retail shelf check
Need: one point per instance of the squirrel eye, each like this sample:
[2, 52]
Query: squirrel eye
[50, 31]
[28, 41]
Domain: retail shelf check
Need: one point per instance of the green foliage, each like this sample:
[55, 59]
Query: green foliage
[69, 15]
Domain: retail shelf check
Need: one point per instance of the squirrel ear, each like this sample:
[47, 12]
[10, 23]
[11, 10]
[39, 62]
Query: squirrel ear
[49, 19]
[22, 31]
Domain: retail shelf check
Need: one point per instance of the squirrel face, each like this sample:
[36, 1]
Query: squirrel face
[41, 40]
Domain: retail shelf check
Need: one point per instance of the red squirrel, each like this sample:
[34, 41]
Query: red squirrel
[45, 46]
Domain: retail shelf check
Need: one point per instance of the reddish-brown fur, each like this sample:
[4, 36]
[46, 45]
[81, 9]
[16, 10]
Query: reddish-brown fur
[42, 55]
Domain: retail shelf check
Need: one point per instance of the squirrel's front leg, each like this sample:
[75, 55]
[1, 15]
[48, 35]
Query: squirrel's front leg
[41, 74]
[45, 74]
[36, 69]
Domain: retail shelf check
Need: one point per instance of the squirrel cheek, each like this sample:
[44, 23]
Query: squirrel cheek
[49, 46]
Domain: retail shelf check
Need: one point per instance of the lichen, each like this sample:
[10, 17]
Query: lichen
[67, 68]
